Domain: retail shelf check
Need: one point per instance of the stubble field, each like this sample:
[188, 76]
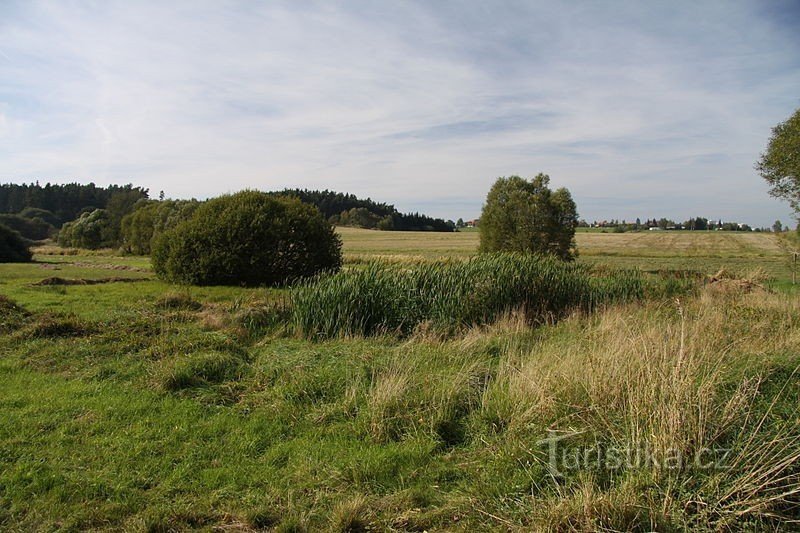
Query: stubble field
[745, 253]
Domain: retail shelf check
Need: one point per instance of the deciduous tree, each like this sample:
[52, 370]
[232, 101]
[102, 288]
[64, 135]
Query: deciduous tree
[780, 164]
[527, 216]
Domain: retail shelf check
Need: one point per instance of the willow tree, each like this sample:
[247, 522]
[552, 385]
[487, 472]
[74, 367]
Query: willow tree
[527, 216]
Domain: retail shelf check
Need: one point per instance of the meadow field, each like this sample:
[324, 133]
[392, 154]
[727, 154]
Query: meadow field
[702, 251]
[658, 399]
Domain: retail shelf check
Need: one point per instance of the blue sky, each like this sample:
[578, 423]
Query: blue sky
[641, 109]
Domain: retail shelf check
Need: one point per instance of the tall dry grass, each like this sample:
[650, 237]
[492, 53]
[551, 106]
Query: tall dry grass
[709, 373]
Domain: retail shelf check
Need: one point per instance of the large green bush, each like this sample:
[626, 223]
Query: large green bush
[13, 248]
[249, 238]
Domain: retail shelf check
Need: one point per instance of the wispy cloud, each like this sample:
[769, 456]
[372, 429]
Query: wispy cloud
[641, 110]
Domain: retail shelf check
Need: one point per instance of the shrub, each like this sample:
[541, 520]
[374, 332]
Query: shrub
[91, 230]
[13, 248]
[249, 238]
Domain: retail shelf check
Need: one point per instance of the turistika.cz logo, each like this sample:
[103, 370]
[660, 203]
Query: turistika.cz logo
[568, 453]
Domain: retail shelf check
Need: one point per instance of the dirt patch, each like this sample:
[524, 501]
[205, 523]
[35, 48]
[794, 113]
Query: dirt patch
[67, 281]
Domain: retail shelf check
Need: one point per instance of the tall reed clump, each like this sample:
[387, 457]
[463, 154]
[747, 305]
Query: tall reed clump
[449, 295]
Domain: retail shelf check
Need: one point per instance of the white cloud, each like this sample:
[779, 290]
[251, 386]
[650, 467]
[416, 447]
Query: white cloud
[640, 111]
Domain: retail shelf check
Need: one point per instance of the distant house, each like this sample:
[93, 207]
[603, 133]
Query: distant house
[655, 228]
[472, 223]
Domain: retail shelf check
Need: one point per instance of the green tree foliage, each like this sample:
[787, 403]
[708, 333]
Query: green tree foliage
[418, 222]
[336, 206]
[780, 164]
[249, 238]
[696, 224]
[44, 215]
[359, 217]
[65, 201]
[13, 247]
[332, 203]
[386, 223]
[91, 230]
[34, 229]
[120, 204]
[527, 216]
[149, 219]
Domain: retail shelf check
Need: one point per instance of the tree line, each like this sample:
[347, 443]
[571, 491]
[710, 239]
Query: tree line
[82, 215]
[693, 224]
[66, 201]
[348, 210]
[88, 216]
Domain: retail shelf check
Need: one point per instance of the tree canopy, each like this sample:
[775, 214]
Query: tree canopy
[780, 164]
[91, 230]
[527, 216]
[349, 210]
[149, 219]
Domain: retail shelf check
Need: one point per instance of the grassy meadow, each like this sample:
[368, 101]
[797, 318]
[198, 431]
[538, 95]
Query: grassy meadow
[420, 390]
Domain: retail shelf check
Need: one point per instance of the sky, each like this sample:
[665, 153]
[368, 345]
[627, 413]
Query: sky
[641, 109]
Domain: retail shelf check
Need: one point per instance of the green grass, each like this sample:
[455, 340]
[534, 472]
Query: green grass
[148, 406]
[421, 434]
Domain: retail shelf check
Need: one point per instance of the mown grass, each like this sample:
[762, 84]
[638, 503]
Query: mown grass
[145, 406]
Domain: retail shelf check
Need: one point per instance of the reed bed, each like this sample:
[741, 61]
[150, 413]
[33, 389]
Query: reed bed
[383, 298]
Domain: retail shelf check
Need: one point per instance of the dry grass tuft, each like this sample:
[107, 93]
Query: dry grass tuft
[351, 515]
[585, 507]
[387, 404]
